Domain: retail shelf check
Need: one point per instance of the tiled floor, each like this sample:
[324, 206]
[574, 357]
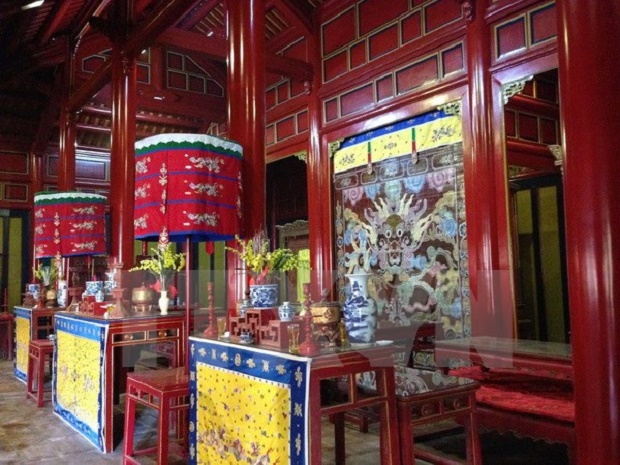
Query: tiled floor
[31, 435]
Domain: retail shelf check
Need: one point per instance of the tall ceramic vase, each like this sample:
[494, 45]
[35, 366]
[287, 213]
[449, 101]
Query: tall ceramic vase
[264, 295]
[164, 302]
[360, 311]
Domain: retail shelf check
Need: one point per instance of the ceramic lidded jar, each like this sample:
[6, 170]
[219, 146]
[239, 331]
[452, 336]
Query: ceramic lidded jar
[286, 311]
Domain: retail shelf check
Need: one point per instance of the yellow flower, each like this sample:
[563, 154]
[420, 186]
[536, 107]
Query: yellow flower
[163, 264]
[254, 252]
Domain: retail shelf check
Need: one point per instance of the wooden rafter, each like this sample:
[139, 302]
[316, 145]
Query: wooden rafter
[298, 13]
[217, 49]
[52, 21]
[194, 16]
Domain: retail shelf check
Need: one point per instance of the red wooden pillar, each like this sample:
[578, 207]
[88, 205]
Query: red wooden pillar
[319, 183]
[246, 115]
[36, 168]
[492, 310]
[590, 94]
[124, 73]
[66, 168]
[66, 165]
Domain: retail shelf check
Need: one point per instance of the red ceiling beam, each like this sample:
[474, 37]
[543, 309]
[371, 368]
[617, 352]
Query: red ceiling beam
[298, 13]
[52, 21]
[155, 24]
[91, 8]
[194, 16]
[149, 118]
[216, 48]
[90, 87]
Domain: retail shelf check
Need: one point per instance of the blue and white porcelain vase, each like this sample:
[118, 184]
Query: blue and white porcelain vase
[360, 311]
[264, 295]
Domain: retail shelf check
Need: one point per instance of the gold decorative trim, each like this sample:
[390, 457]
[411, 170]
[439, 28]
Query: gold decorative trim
[515, 87]
[451, 108]
[558, 154]
[333, 147]
[303, 156]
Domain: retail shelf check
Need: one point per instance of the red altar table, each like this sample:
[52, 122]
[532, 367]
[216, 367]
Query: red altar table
[254, 370]
[89, 357]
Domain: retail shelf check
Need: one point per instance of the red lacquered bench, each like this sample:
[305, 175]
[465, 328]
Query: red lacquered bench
[526, 403]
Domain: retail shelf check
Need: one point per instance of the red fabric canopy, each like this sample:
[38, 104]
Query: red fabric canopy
[69, 223]
[190, 184]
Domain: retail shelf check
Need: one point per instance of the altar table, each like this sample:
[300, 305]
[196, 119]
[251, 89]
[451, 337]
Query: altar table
[496, 352]
[87, 357]
[264, 405]
[30, 323]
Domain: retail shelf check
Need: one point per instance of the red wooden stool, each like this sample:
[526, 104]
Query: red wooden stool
[7, 324]
[166, 391]
[40, 352]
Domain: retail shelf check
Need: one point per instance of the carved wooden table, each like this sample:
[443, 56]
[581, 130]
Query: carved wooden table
[90, 354]
[30, 323]
[254, 372]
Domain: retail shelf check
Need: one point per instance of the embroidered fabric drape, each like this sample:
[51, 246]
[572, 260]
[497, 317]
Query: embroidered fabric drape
[69, 223]
[400, 215]
[190, 184]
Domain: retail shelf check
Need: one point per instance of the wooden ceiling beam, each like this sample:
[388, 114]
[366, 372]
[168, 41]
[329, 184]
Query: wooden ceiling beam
[89, 88]
[298, 13]
[155, 24]
[196, 14]
[213, 47]
[217, 49]
[148, 118]
[91, 8]
[51, 22]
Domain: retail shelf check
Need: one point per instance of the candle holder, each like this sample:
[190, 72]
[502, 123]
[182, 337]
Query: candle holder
[309, 346]
[211, 330]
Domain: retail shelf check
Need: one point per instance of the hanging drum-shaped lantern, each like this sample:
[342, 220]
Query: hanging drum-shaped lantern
[69, 223]
[189, 184]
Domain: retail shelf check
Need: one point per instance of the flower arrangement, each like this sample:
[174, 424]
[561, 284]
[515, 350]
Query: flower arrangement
[46, 275]
[162, 264]
[264, 264]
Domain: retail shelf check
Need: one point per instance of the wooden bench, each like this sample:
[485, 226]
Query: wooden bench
[529, 403]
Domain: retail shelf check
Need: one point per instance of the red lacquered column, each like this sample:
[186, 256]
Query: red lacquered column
[122, 153]
[492, 309]
[246, 112]
[66, 162]
[319, 182]
[590, 94]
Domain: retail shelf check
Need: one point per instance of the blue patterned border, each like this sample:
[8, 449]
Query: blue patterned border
[252, 361]
[95, 332]
[26, 314]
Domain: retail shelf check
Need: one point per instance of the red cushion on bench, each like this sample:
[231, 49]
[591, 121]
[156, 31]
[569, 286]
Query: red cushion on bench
[558, 405]
[515, 391]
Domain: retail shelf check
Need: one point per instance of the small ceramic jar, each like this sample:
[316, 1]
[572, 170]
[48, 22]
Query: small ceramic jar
[286, 311]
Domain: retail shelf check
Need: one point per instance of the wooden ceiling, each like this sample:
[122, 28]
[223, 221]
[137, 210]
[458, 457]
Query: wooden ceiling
[36, 44]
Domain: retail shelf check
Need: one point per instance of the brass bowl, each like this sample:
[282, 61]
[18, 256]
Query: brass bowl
[142, 297]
